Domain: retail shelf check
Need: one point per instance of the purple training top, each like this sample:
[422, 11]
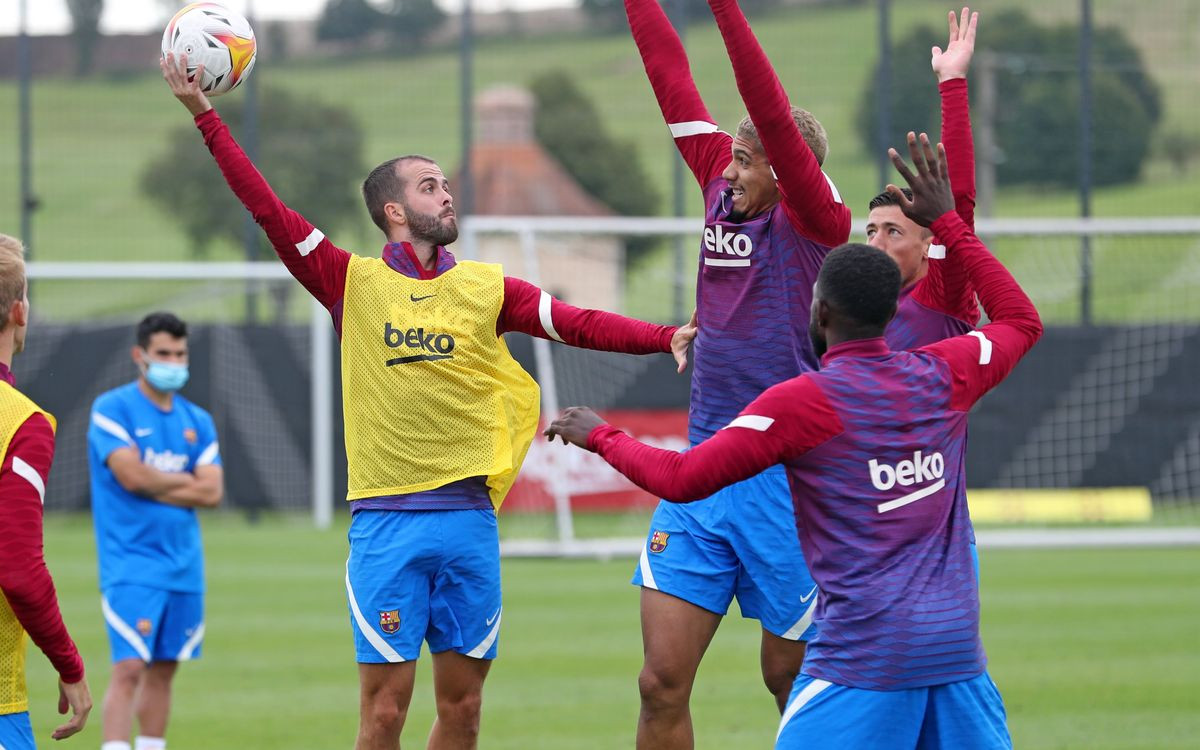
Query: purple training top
[753, 297]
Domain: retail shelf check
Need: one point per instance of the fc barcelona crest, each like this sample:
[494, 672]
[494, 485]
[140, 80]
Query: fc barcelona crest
[389, 621]
[144, 626]
[190, 436]
[658, 541]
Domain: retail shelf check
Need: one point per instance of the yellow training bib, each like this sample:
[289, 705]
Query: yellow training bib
[430, 393]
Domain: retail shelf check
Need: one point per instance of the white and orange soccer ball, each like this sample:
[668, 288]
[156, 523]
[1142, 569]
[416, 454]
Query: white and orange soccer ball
[216, 37]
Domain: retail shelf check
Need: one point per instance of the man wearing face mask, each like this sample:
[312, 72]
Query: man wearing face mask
[154, 459]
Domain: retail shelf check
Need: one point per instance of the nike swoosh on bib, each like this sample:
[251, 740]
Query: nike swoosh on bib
[418, 299]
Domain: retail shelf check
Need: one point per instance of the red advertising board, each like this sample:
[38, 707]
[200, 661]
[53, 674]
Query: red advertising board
[591, 483]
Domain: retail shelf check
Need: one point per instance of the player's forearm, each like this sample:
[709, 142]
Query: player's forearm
[36, 608]
[609, 332]
[1000, 294]
[960, 146]
[147, 481]
[692, 127]
[530, 310]
[243, 178]
[665, 61]
[683, 477]
[199, 493]
[812, 203]
[309, 256]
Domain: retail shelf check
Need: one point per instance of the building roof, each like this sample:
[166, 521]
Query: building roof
[512, 174]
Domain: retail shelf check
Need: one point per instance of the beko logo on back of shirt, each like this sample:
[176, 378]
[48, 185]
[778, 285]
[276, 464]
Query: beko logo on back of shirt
[921, 468]
[733, 244]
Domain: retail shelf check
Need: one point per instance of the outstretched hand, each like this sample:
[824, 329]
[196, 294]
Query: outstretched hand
[574, 425]
[186, 90]
[956, 60]
[681, 341]
[930, 186]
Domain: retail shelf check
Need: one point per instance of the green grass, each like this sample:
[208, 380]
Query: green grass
[1091, 648]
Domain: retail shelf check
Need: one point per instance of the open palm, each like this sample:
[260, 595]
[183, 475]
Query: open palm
[954, 61]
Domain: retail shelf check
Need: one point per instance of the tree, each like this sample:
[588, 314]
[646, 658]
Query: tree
[406, 21]
[347, 19]
[568, 126]
[313, 155]
[85, 28]
[1037, 88]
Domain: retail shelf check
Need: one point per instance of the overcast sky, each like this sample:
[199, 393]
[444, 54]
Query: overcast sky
[122, 16]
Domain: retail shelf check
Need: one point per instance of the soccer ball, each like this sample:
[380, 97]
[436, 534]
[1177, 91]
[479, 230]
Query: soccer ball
[217, 37]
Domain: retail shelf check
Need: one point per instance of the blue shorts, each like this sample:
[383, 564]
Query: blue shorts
[152, 624]
[741, 542]
[966, 714]
[16, 733]
[423, 575]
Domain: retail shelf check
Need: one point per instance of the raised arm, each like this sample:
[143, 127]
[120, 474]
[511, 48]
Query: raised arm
[945, 287]
[317, 263]
[530, 310]
[787, 420]
[703, 146]
[813, 204]
[980, 359]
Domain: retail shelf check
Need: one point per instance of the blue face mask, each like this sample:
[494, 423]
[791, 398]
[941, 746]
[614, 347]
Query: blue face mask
[166, 376]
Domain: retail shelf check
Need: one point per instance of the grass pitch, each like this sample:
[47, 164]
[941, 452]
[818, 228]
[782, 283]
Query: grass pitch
[1091, 649]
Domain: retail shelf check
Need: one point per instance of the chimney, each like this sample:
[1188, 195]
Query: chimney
[504, 116]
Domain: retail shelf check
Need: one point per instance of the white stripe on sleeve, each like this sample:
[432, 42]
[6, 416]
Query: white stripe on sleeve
[985, 347]
[112, 428]
[209, 455]
[29, 474]
[310, 242]
[546, 318]
[693, 127]
[751, 422]
[837, 197]
[937, 252]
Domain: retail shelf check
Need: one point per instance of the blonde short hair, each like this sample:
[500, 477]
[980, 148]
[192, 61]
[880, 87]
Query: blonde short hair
[12, 275]
[810, 128]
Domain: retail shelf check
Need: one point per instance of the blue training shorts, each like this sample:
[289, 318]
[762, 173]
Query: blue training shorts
[152, 624]
[966, 714]
[423, 575]
[741, 542]
[16, 733]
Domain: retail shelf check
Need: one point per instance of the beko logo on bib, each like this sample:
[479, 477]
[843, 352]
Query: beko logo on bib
[733, 244]
[434, 345]
[922, 468]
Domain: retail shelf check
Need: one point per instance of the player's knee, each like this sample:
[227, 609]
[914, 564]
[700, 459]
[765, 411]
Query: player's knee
[126, 674]
[383, 717]
[779, 679]
[662, 689]
[463, 712]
